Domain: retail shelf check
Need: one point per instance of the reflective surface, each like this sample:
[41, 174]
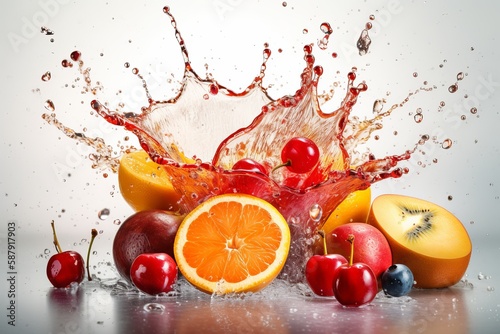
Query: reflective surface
[46, 176]
[101, 306]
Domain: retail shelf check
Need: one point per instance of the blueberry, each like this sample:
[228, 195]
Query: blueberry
[397, 280]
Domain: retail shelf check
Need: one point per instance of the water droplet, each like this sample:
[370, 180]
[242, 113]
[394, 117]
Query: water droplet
[214, 89]
[127, 65]
[446, 144]
[372, 17]
[460, 76]
[305, 31]
[415, 74]
[418, 118]
[473, 110]
[49, 105]
[117, 221]
[46, 76]
[463, 117]
[315, 212]
[378, 105]
[154, 307]
[284, 4]
[75, 55]
[103, 214]
[480, 276]
[66, 63]
[363, 43]
[46, 251]
[450, 198]
[135, 70]
[46, 31]
[490, 288]
[453, 88]
[326, 28]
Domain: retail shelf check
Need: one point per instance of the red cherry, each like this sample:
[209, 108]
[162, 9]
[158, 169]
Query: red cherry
[354, 284]
[249, 165]
[154, 273]
[300, 155]
[320, 271]
[65, 268]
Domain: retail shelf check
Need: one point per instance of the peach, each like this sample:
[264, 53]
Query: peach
[370, 245]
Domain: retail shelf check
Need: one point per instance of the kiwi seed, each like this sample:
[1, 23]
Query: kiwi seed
[421, 228]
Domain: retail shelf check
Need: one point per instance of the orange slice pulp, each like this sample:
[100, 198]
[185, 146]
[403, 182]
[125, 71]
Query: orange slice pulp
[232, 243]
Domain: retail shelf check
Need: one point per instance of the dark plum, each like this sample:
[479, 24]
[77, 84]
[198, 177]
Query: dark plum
[149, 231]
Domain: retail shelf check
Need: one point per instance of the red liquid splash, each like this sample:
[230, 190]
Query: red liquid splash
[203, 118]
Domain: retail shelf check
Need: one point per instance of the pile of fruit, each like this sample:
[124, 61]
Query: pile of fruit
[236, 243]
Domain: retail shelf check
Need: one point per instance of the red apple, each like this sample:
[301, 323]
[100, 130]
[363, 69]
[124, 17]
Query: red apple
[150, 231]
[372, 248]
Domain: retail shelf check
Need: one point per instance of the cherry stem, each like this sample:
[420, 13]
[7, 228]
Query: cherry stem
[287, 163]
[322, 233]
[350, 239]
[94, 234]
[56, 242]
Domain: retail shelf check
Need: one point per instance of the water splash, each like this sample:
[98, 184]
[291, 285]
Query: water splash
[210, 112]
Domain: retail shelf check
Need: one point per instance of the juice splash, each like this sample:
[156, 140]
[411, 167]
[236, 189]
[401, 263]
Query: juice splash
[208, 118]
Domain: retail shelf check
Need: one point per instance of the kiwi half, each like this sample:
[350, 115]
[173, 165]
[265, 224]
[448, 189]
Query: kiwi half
[427, 238]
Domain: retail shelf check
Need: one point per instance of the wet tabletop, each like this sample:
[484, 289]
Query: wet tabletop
[106, 306]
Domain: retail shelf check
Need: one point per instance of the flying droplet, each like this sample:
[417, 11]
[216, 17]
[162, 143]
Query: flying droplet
[473, 110]
[46, 31]
[117, 221]
[46, 76]
[453, 88]
[363, 43]
[75, 55]
[326, 28]
[418, 118]
[460, 76]
[49, 105]
[446, 144]
[378, 105]
[103, 214]
[315, 212]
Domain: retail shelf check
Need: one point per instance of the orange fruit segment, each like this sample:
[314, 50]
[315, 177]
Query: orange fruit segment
[232, 243]
[144, 184]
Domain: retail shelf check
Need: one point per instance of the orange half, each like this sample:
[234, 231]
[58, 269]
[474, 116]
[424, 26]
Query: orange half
[232, 243]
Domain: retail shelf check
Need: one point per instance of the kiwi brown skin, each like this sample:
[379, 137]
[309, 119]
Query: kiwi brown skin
[428, 271]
